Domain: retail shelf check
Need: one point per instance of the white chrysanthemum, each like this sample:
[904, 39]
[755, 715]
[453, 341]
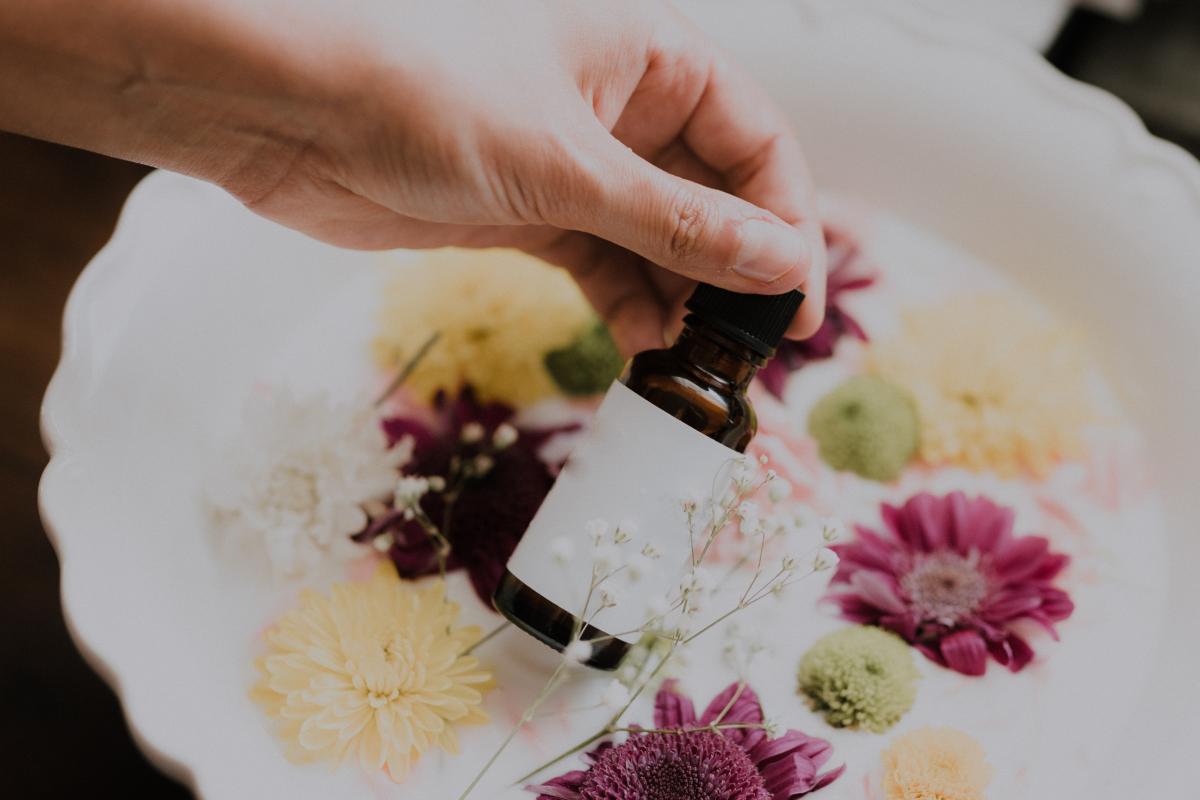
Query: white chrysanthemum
[294, 483]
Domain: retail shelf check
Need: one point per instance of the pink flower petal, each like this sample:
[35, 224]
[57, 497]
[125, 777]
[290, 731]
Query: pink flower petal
[1020, 558]
[1011, 604]
[673, 710]
[876, 589]
[743, 706]
[965, 652]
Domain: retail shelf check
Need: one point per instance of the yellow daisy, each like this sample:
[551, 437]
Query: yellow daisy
[996, 386]
[935, 764]
[373, 670]
[498, 313]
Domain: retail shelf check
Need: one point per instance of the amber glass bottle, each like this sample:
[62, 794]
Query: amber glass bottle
[701, 380]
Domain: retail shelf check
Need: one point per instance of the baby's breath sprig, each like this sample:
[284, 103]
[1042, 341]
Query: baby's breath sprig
[667, 626]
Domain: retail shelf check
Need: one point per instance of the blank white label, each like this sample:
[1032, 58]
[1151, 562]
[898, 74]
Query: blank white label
[635, 469]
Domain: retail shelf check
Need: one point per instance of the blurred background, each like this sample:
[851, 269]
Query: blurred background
[61, 728]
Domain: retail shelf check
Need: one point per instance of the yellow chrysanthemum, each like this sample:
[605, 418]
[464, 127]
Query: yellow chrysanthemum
[935, 764]
[498, 313]
[996, 386]
[373, 670]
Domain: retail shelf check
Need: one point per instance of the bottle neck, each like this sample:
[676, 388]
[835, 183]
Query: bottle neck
[715, 354]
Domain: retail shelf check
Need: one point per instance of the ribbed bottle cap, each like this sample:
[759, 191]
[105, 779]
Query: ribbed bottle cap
[758, 321]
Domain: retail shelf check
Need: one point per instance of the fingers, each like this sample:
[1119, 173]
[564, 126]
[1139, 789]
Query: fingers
[812, 311]
[693, 99]
[690, 229]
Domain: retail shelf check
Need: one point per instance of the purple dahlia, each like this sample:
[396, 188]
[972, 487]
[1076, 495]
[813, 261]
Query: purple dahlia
[483, 516]
[687, 758]
[948, 575]
[848, 271]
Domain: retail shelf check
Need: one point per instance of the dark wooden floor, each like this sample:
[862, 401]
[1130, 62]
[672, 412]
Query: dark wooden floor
[61, 730]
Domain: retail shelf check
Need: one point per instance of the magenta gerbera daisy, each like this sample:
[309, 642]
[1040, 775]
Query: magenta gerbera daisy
[484, 515]
[692, 758]
[848, 271]
[948, 575]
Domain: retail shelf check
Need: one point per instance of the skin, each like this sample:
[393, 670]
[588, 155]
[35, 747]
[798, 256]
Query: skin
[610, 137]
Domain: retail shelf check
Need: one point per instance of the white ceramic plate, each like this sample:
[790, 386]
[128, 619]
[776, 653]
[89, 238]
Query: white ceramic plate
[961, 133]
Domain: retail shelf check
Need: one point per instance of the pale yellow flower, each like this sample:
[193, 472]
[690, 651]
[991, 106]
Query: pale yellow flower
[498, 313]
[374, 670]
[935, 764]
[997, 386]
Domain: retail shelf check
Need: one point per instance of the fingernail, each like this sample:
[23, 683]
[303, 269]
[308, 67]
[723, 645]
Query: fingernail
[769, 250]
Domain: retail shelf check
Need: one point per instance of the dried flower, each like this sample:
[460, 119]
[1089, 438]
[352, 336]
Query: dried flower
[996, 387]
[562, 550]
[690, 758]
[859, 677]
[295, 483]
[372, 671]
[935, 764]
[826, 558]
[848, 272]
[483, 513]
[497, 312]
[578, 651]
[948, 575]
[866, 426]
[504, 436]
[409, 491]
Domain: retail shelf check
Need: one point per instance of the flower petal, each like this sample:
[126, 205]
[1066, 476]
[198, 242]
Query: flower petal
[1020, 558]
[672, 709]
[743, 708]
[878, 590]
[965, 652]
[564, 787]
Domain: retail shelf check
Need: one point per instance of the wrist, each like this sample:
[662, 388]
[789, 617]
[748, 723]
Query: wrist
[207, 89]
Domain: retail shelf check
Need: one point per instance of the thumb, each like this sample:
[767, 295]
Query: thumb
[703, 233]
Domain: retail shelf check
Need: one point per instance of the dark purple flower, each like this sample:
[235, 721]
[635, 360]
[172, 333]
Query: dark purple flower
[948, 575]
[848, 271]
[695, 761]
[492, 491]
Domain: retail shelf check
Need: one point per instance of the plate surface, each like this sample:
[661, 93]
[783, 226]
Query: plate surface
[963, 134]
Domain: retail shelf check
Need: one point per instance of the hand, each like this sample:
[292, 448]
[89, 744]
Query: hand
[608, 137]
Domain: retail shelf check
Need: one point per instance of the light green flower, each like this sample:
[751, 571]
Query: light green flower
[859, 677]
[867, 426]
[588, 364]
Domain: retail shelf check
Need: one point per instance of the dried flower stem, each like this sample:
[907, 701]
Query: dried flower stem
[408, 368]
[526, 718]
[441, 545]
[731, 726]
[492, 634]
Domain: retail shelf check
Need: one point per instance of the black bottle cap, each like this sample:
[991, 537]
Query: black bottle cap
[759, 321]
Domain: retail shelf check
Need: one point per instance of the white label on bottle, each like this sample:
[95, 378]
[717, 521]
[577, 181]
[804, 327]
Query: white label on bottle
[634, 471]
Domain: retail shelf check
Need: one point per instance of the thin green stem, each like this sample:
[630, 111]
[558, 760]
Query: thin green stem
[715, 623]
[731, 726]
[529, 714]
[733, 699]
[441, 545]
[408, 368]
[492, 634]
[608, 728]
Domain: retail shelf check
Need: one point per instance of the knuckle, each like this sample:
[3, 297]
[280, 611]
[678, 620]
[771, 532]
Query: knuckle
[690, 221]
